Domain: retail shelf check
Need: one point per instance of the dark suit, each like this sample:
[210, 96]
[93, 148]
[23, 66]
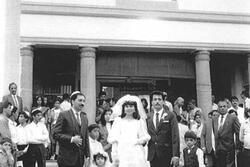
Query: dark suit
[66, 127]
[10, 99]
[164, 143]
[224, 140]
[206, 142]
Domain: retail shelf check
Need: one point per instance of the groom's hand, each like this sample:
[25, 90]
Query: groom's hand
[175, 161]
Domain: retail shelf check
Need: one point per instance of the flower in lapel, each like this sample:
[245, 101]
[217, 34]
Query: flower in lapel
[164, 117]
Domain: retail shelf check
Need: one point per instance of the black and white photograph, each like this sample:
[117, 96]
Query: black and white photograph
[124, 83]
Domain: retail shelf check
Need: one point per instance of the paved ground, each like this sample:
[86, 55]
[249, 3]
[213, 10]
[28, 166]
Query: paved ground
[51, 163]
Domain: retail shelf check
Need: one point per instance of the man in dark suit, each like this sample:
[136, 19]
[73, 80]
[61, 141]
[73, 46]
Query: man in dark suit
[71, 131]
[226, 127]
[164, 145]
[13, 98]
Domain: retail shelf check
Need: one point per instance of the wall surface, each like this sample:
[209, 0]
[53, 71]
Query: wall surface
[49, 26]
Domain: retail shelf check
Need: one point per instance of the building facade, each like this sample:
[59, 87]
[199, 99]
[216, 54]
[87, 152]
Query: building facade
[134, 46]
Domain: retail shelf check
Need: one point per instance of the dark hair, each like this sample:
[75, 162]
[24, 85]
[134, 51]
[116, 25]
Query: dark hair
[232, 111]
[146, 102]
[35, 102]
[190, 134]
[197, 114]
[102, 93]
[74, 96]
[246, 111]
[12, 83]
[35, 112]
[58, 99]
[192, 101]
[65, 96]
[14, 109]
[245, 93]
[160, 93]
[99, 155]
[6, 104]
[4, 140]
[93, 126]
[25, 115]
[178, 117]
[102, 119]
[135, 114]
[234, 98]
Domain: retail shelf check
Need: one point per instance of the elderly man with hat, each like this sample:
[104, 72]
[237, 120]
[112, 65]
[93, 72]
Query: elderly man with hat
[71, 132]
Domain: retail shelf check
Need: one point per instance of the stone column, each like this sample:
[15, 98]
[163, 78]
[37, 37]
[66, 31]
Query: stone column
[203, 81]
[88, 80]
[26, 75]
[248, 69]
[10, 45]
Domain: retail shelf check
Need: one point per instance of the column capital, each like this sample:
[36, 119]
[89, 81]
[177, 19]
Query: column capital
[87, 52]
[27, 50]
[202, 55]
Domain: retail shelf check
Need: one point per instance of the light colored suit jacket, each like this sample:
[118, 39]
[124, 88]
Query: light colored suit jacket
[11, 100]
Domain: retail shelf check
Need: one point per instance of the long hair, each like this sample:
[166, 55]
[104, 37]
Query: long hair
[135, 114]
[102, 119]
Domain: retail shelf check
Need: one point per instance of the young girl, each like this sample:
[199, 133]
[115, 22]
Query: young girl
[105, 127]
[6, 157]
[128, 135]
[101, 159]
[54, 113]
[245, 138]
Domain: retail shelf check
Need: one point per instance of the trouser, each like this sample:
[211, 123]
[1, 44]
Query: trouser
[225, 158]
[246, 157]
[161, 162]
[78, 164]
[36, 154]
[210, 159]
[24, 158]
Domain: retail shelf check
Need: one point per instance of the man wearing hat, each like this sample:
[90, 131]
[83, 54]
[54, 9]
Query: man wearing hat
[71, 132]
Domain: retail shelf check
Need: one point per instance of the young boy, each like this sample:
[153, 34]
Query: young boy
[38, 138]
[245, 138]
[193, 156]
[94, 145]
[196, 127]
[6, 157]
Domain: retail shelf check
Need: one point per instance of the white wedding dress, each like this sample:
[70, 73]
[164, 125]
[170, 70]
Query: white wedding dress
[127, 137]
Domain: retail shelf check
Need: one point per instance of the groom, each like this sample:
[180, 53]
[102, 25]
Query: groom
[164, 145]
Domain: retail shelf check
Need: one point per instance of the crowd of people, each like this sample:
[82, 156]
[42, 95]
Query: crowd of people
[127, 132]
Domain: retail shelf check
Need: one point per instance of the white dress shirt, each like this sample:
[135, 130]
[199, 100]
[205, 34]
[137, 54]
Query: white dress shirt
[77, 114]
[22, 135]
[13, 130]
[240, 112]
[38, 133]
[245, 133]
[247, 103]
[154, 118]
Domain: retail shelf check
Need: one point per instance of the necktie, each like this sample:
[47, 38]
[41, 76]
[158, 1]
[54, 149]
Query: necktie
[221, 121]
[78, 118]
[157, 120]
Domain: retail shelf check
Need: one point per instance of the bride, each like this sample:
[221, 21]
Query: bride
[129, 133]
